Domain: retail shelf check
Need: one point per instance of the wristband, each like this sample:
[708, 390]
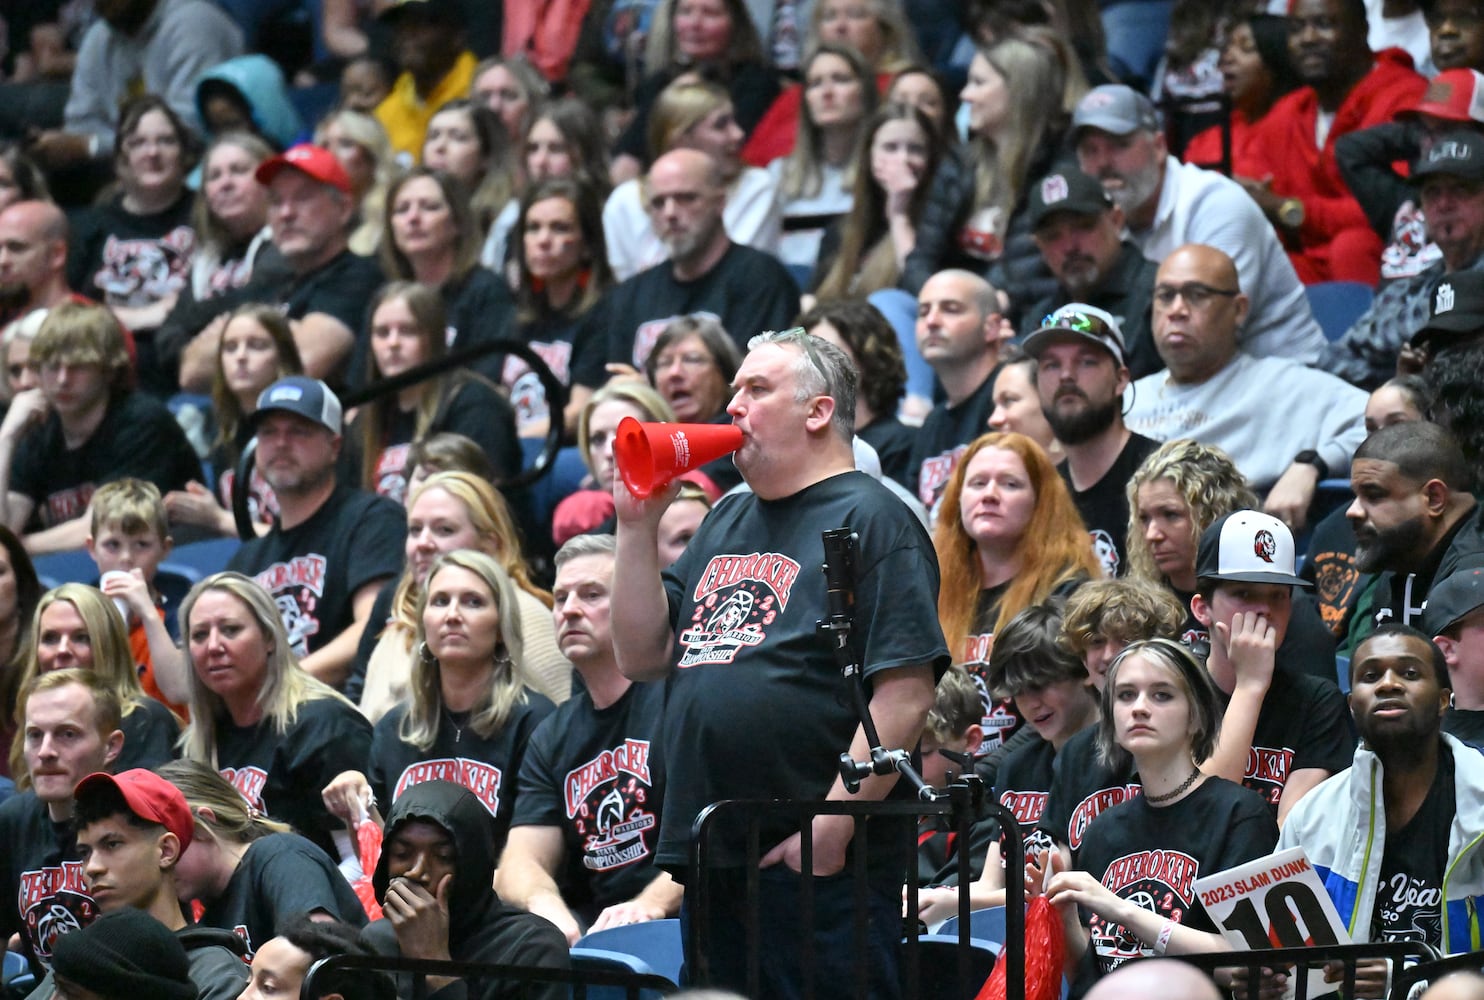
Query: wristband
[1163, 941]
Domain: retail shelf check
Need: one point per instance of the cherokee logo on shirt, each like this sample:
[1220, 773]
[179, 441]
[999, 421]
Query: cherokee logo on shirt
[138, 272]
[479, 777]
[649, 332]
[297, 586]
[1161, 882]
[64, 505]
[605, 800]
[1267, 771]
[1106, 551]
[526, 392]
[249, 782]
[736, 598]
[391, 472]
[934, 473]
[1088, 809]
[54, 901]
[1027, 806]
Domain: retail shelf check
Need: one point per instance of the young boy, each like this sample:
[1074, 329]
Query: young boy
[953, 726]
[129, 535]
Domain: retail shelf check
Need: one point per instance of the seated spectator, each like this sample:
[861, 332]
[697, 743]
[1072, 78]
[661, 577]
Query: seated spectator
[134, 253]
[1166, 205]
[717, 37]
[1424, 885]
[693, 114]
[365, 81]
[859, 329]
[1080, 380]
[248, 94]
[83, 427]
[561, 268]
[692, 367]
[252, 875]
[877, 29]
[467, 141]
[434, 67]
[282, 964]
[1007, 537]
[128, 539]
[592, 505]
[597, 754]
[1160, 708]
[950, 740]
[124, 954]
[565, 139]
[920, 87]
[1450, 185]
[513, 89]
[746, 289]
[1298, 184]
[815, 181]
[1415, 520]
[19, 592]
[1174, 496]
[869, 246]
[434, 885]
[1283, 730]
[272, 730]
[256, 349]
[469, 679]
[1079, 232]
[1452, 618]
[1017, 405]
[132, 831]
[447, 511]
[77, 709]
[1454, 33]
[333, 545]
[15, 344]
[432, 237]
[408, 329]
[1255, 73]
[681, 519]
[149, 46]
[360, 144]
[33, 271]
[1310, 422]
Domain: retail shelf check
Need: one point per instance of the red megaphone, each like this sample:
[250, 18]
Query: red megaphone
[650, 455]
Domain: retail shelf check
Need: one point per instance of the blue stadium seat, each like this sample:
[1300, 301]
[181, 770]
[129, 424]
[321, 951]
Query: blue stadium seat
[984, 925]
[937, 966]
[199, 560]
[597, 959]
[1338, 304]
[656, 943]
[65, 567]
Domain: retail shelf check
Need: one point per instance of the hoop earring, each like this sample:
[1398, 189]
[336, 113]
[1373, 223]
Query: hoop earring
[502, 655]
[426, 655]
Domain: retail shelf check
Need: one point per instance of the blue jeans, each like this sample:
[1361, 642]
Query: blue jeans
[1136, 31]
[781, 974]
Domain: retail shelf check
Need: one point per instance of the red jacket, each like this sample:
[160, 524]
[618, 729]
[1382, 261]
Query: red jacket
[1284, 144]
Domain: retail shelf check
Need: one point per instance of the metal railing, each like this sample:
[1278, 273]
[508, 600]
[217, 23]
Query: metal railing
[1299, 961]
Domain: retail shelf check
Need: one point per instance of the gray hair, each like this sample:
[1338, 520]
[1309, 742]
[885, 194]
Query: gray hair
[821, 370]
[585, 545]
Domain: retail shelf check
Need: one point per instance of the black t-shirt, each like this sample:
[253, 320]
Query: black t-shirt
[1000, 721]
[597, 775]
[550, 338]
[748, 291]
[1331, 568]
[893, 441]
[1081, 789]
[1303, 722]
[123, 259]
[314, 569]
[757, 706]
[1104, 505]
[1021, 785]
[41, 878]
[1307, 648]
[1409, 891]
[138, 437]
[1152, 855]
[150, 732]
[944, 436]
[283, 774]
[488, 767]
[339, 289]
[281, 876]
[1465, 725]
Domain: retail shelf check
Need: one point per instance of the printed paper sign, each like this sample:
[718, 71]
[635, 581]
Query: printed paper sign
[1274, 902]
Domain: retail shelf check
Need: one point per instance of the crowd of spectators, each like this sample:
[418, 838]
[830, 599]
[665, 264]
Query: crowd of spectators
[1178, 561]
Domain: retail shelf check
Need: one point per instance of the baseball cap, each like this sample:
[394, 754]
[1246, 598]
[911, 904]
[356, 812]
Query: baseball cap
[446, 11]
[1456, 310]
[1452, 599]
[1115, 108]
[149, 796]
[126, 953]
[1248, 546]
[1077, 321]
[1454, 94]
[316, 161]
[1068, 190]
[1458, 153]
[308, 397]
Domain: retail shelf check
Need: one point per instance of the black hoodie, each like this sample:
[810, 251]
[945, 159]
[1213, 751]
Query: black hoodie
[481, 927]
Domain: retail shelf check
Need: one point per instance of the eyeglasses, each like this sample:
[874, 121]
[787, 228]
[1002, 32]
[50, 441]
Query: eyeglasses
[1079, 321]
[693, 360]
[1195, 294]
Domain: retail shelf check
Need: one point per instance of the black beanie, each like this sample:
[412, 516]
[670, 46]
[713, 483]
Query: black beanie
[126, 954]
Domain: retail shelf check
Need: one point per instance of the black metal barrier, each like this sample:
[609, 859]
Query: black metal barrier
[1431, 972]
[958, 805]
[1300, 961]
[516, 981]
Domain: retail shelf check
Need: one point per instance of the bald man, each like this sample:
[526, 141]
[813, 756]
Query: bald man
[1458, 986]
[1154, 979]
[33, 258]
[1285, 425]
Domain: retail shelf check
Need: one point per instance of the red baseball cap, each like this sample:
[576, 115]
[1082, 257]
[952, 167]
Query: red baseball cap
[316, 161]
[1454, 94]
[149, 796]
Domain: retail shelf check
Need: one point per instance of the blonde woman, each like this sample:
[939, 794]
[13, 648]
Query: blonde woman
[259, 718]
[448, 511]
[470, 710]
[361, 145]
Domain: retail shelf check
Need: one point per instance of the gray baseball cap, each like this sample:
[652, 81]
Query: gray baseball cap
[308, 397]
[1115, 108]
